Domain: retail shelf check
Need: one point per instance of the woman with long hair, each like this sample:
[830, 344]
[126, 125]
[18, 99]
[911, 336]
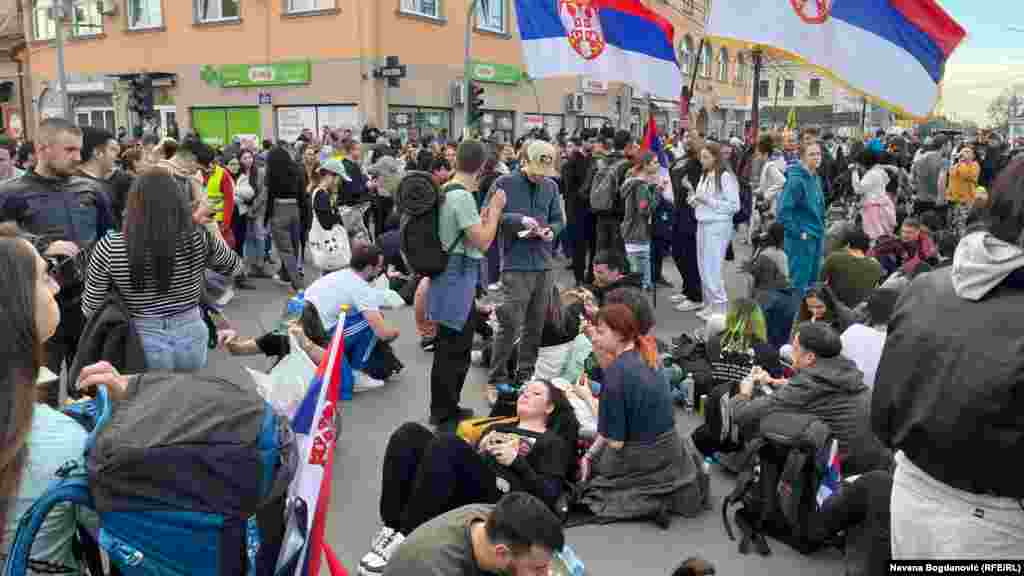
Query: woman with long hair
[878, 211]
[286, 205]
[157, 262]
[801, 211]
[31, 315]
[715, 201]
[426, 475]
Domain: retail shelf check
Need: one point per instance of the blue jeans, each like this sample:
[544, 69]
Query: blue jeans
[175, 344]
[640, 262]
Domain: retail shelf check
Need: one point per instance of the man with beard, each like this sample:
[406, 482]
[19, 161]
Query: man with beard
[68, 215]
[100, 151]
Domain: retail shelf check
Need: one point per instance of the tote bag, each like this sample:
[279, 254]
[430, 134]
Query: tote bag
[330, 248]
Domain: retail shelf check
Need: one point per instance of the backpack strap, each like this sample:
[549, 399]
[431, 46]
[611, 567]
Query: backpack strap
[72, 488]
[744, 482]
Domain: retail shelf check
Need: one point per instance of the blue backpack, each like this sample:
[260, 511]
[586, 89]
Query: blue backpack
[188, 476]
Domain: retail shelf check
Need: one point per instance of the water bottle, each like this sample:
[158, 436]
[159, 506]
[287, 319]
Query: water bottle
[690, 386]
[293, 311]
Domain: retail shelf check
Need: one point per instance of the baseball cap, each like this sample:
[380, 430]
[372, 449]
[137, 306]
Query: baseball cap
[334, 166]
[540, 159]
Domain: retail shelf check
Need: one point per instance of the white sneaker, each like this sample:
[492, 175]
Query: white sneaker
[384, 546]
[495, 287]
[677, 298]
[364, 383]
[705, 313]
[688, 306]
[229, 294]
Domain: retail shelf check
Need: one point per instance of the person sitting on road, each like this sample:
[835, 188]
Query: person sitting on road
[426, 475]
[610, 272]
[827, 385]
[518, 535]
[771, 289]
[863, 341]
[367, 334]
[913, 247]
[638, 467]
[852, 274]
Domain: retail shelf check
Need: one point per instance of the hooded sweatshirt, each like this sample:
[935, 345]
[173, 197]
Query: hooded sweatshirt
[878, 210]
[834, 391]
[802, 205]
[981, 262]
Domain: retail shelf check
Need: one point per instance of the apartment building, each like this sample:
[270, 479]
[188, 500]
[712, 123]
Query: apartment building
[12, 76]
[271, 68]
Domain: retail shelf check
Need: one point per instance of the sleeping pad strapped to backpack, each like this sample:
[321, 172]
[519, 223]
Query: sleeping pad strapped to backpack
[188, 475]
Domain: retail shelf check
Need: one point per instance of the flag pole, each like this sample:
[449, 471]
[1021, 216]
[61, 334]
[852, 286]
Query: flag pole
[693, 75]
[755, 108]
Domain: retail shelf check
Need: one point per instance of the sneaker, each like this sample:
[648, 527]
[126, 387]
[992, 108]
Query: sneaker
[477, 357]
[384, 546]
[705, 313]
[677, 298]
[688, 306]
[364, 383]
[495, 287]
[229, 293]
[429, 344]
[396, 375]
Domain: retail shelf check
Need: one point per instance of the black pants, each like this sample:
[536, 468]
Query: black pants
[451, 363]
[584, 245]
[382, 362]
[384, 207]
[659, 249]
[684, 252]
[861, 510]
[609, 234]
[240, 229]
[427, 475]
[62, 347]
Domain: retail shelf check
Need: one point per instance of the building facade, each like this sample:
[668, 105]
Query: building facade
[269, 69]
[12, 72]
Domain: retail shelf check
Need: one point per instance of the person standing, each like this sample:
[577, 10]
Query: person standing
[614, 167]
[963, 185]
[286, 203]
[802, 212]
[99, 155]
[947, 396]
[451, 297]
[715, 201]
[926, 172]
[532, 221]
[577, 178]
[878, 212]
[69, 216]
[685, 174]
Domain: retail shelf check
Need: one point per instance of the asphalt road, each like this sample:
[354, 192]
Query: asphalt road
[640, 549]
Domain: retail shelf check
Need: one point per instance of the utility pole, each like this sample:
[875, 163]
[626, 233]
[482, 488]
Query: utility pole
[468, 72]
[58, 12]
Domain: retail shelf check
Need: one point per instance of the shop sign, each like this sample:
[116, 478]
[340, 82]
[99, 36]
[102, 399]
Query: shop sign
[292, 120]
[249, 75]
[402, 119]
[531, 121]
[496, 73]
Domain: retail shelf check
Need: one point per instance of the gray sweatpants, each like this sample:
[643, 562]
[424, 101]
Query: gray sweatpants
[522, 314]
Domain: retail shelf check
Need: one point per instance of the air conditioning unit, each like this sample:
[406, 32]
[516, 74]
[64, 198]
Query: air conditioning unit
[107, 7]
[575, 103]
[458, 93]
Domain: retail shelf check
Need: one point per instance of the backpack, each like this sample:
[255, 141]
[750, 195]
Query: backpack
[188, 476]
[604, 192]
[778, 483]
[419, 204]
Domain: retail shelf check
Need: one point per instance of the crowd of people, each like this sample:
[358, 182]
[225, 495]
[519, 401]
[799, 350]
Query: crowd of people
[159, 235]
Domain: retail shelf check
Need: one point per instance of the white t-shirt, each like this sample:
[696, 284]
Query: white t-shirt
[340, 288]
[864, 345]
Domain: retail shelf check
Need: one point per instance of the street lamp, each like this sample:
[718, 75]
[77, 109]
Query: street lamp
[58, 12]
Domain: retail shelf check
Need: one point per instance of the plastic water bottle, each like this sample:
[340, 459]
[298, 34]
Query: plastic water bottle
[293, 310]
[690, 390]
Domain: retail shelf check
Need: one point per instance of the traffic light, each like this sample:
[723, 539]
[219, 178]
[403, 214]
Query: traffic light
[140, 95]
[475, 102]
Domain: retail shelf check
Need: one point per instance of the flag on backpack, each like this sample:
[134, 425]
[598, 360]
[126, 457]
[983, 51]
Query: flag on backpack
[830, 480]
[316, 425]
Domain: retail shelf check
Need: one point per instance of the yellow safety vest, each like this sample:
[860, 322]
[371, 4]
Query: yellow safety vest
[214, 194]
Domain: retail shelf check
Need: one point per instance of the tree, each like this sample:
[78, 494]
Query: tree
[998, 110]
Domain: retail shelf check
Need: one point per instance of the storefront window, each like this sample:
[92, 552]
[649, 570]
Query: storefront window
[499, 126]
[414, 123]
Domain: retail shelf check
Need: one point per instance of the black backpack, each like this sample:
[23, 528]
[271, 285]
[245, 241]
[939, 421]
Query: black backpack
[778, 483]
[419, 204]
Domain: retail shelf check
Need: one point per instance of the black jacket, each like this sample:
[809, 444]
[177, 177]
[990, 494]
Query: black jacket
[634, 281]
[110, 335]
[949, 389]
[834, 391]
[685, 220]
[73, 209]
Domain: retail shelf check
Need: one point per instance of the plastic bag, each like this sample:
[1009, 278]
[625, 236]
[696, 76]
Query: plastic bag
[286, 384]
[387, 298]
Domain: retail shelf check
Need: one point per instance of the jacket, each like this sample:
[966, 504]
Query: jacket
[925, 176]
[834, 391]
[73, 209]
[110, 335]
[955, 409]
[634, 281]
[773, 179]
[801, 208]
[538, 201]
[878, 211]
[963, 182]
[718, 203]
[685, 219]
[637, 225]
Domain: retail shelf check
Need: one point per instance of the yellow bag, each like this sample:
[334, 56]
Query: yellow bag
[471, 430]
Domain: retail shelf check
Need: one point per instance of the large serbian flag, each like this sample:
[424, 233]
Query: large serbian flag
[607, 40]
[891, 51]
[316, 424]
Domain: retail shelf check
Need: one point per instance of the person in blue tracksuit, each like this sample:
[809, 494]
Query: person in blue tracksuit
[802, 212]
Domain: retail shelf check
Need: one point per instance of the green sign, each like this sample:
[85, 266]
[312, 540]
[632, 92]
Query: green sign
[219, 126]
[248, 75]
[496, 73]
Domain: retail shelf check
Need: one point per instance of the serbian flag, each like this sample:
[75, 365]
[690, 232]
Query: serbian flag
[608, 40]
[832, 476]
[653, 143]
[893, 52]
[316, 424]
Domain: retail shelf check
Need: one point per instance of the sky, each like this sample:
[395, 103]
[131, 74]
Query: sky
[989, 60]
